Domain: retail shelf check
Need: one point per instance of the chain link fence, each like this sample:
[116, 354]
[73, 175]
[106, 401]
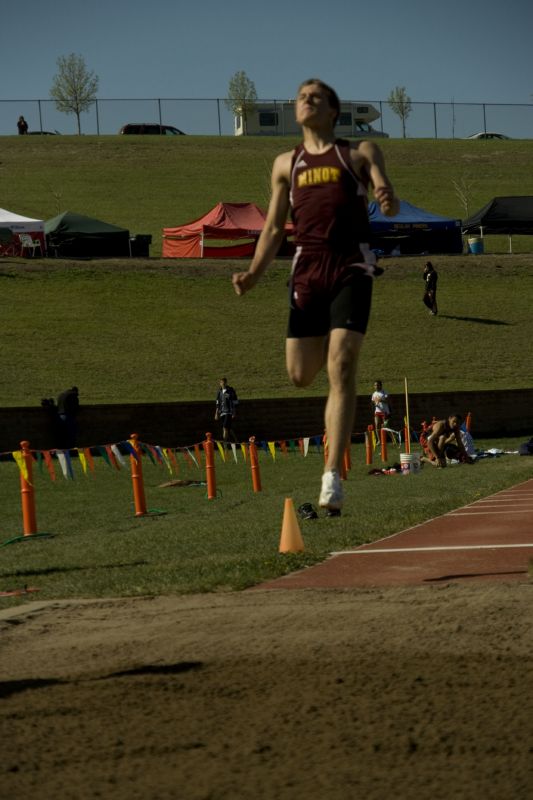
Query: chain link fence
[213, 117]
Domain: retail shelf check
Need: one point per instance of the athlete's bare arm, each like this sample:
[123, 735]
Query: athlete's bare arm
[436, 440]
[370, 157]
[272, 234]
[459, 441]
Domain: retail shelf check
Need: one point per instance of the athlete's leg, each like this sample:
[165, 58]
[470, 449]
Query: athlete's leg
[305, 357]
[343, 354]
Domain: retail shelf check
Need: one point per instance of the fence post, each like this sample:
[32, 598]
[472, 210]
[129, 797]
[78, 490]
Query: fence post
[210, 476]
[254, 464]
[218, 115]
[27, 492]
[137, 477]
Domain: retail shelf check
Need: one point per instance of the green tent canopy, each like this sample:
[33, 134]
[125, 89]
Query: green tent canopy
[71, 235]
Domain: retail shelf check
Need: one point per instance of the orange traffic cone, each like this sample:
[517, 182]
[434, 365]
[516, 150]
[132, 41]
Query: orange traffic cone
[291, 537]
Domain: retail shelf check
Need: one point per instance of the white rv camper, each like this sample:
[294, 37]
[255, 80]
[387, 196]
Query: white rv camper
[276, 118]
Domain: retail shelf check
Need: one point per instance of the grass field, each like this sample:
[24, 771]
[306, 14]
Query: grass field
[156, 330]
[122, 331]
[100, 548]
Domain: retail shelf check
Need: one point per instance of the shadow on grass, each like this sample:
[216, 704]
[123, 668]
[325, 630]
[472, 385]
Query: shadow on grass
[479, 320]
[54, 570]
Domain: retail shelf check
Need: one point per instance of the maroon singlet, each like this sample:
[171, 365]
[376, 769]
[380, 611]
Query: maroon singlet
[329, 203]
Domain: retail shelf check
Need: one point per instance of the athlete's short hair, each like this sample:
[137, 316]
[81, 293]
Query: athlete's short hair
[333, 97]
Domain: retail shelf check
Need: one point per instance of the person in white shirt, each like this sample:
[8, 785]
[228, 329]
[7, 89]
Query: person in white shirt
[381, 406]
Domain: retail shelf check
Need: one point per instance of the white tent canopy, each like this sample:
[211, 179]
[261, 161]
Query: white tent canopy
[20, 224]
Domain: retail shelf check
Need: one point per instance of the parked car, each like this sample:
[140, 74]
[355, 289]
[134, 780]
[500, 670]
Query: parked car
[487, 135]
[150, 128]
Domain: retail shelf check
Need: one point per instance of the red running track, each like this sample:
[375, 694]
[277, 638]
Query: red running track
[491, 539]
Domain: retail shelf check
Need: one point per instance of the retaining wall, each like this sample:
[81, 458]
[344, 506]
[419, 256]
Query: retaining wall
[503, 412]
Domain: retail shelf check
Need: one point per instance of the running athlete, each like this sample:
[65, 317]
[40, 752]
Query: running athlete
[324, 183]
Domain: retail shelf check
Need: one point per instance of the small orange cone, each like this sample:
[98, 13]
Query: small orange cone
[291, 537]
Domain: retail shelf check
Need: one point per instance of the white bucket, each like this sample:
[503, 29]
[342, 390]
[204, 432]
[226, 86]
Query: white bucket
[410, 463]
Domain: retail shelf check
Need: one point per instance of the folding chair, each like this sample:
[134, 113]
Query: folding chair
[27, 243]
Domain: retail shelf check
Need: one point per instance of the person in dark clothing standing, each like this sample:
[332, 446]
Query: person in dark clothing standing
[430, 292]
[68, 405]
[226, 409]
[22, 126]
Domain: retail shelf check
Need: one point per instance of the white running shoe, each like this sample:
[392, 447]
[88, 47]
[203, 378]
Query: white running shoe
[331, 495]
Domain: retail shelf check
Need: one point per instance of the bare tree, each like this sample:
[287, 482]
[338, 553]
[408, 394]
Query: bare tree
[400, 103]
[56, 193]
[463, 189]
[74, 87]
[241, 95]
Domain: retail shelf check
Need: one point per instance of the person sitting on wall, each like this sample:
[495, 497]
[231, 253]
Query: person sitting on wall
[48, 404]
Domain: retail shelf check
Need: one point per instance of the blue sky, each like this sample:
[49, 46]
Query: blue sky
[455, 50]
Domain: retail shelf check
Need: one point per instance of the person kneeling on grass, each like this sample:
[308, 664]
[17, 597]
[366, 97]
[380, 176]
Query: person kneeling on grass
[443, 438]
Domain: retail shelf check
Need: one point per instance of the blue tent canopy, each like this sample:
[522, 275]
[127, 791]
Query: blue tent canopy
[414, 230]
[409, 218]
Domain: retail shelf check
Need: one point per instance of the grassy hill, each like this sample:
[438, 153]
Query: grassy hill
[159, 330]
[145, 183]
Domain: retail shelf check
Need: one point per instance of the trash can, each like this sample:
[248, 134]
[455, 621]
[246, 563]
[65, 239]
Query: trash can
[140, 245]
[475, 245]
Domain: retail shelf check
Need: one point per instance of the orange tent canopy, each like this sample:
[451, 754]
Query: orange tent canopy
[226, 221]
